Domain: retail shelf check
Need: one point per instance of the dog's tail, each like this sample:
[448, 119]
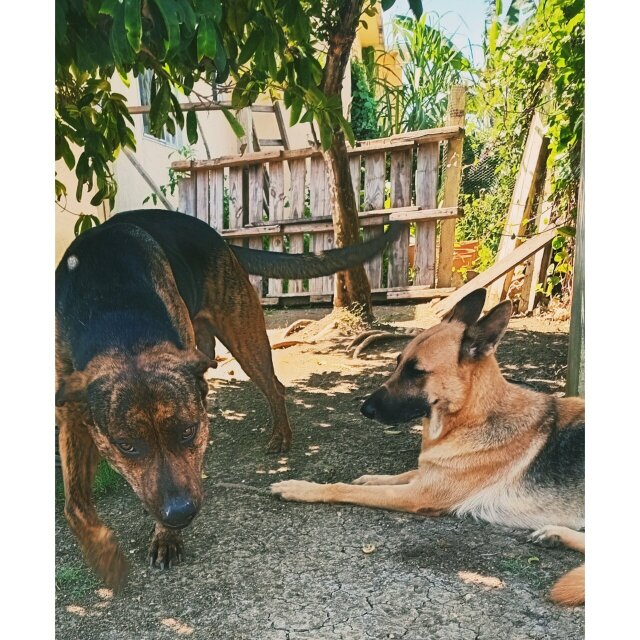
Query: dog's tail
[298, 265]
[569, 590]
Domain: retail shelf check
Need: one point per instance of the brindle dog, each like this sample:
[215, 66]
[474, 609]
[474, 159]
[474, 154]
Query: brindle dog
[495, 450]
[140, 301]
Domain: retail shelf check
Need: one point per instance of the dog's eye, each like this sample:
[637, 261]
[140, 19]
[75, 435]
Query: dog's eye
[189, 433]
[414, 370]
[126, 447]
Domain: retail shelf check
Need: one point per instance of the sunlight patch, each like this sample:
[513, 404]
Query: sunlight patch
[489, 582]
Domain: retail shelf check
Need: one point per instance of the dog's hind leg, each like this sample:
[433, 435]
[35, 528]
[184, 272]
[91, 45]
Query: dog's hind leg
[568, 590]
[240, 326]
[553, 534]
[79, 458]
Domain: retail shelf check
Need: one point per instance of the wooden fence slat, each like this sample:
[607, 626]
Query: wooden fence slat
[216, 199]
[374, 175]
[298, 170]
[452, 177]
[426, 195]
[255, 204]
[187, 195]
[202, 196]
[537, 264]
[276, 213]
[401, 166]
[325, 224]
[406, 141]
[355, 168]
[236, 203]
[520, 254]
[319, 207]
[530, 166]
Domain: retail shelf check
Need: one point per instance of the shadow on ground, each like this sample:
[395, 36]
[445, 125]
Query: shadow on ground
[258, 568]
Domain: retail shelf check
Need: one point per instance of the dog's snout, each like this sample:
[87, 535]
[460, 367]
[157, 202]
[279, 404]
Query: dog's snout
[178, 512]
[368, 408]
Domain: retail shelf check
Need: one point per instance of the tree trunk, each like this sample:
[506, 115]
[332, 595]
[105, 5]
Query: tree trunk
[352, 286]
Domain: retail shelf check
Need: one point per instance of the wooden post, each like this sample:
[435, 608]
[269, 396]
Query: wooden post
[575, 369]
[296, 210]
[187, 194]
[374, 175]
[536, 265]
[254, 206]
[216, 199]
[426, 195]
[522, 194]
[276, 213]
[452, 177]
[319, 202]
[401, 167]
[202, 196]
[236, 201]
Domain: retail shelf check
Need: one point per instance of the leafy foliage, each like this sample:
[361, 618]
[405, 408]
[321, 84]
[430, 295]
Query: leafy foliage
[431, 64]
[363, 104]
[263, 45]
[534, 61]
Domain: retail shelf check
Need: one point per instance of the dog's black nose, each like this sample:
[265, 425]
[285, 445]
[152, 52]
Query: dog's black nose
[368, 409]
[178, 512]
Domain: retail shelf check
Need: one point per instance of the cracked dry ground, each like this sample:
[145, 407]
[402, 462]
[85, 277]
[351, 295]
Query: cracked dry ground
[258, 568]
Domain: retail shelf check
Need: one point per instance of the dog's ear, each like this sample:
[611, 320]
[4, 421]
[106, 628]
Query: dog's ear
[483, 337]
[468, 310]
[198, 363]
[72, 388]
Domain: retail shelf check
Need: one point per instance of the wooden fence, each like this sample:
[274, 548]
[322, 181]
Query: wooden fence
[279, 200]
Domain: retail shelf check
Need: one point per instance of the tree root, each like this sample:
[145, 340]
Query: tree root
[296, 326]
[366, 338]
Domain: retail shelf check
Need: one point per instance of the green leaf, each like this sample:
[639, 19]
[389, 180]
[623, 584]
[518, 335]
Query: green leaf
[169, 15]
[255, 39]
[192, 127]
[387, 4]
[207, 41]
[233, 121]
[567, 231]
[133, 23]
[326, 134]
[296, 109]
[416, 8]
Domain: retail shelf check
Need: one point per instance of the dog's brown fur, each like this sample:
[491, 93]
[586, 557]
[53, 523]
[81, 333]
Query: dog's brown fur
[140, 302]
[489, 448]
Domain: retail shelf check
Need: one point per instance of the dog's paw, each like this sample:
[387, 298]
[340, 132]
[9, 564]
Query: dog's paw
[299, 490]
[279, 443]
[550, 535]
[166, 548]
[107, 559]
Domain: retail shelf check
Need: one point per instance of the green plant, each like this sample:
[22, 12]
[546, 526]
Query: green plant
[186, 153]
[431, 64]
[363, 104]
[75, 581]
[535, 62]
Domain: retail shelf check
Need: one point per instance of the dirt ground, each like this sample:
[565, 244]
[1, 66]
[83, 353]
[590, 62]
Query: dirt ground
[257, 568]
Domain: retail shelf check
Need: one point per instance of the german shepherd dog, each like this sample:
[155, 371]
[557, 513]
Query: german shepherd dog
[140, 301]
[495, 450]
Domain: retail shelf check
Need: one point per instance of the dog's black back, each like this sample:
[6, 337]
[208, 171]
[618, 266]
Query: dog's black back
[105, 296]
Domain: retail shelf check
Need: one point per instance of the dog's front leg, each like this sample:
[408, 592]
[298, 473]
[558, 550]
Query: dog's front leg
[79, 458]
[401, 478]
[413, 497]
[166, 547]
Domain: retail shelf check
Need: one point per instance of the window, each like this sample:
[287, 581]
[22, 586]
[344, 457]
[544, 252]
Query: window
[144, 82]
